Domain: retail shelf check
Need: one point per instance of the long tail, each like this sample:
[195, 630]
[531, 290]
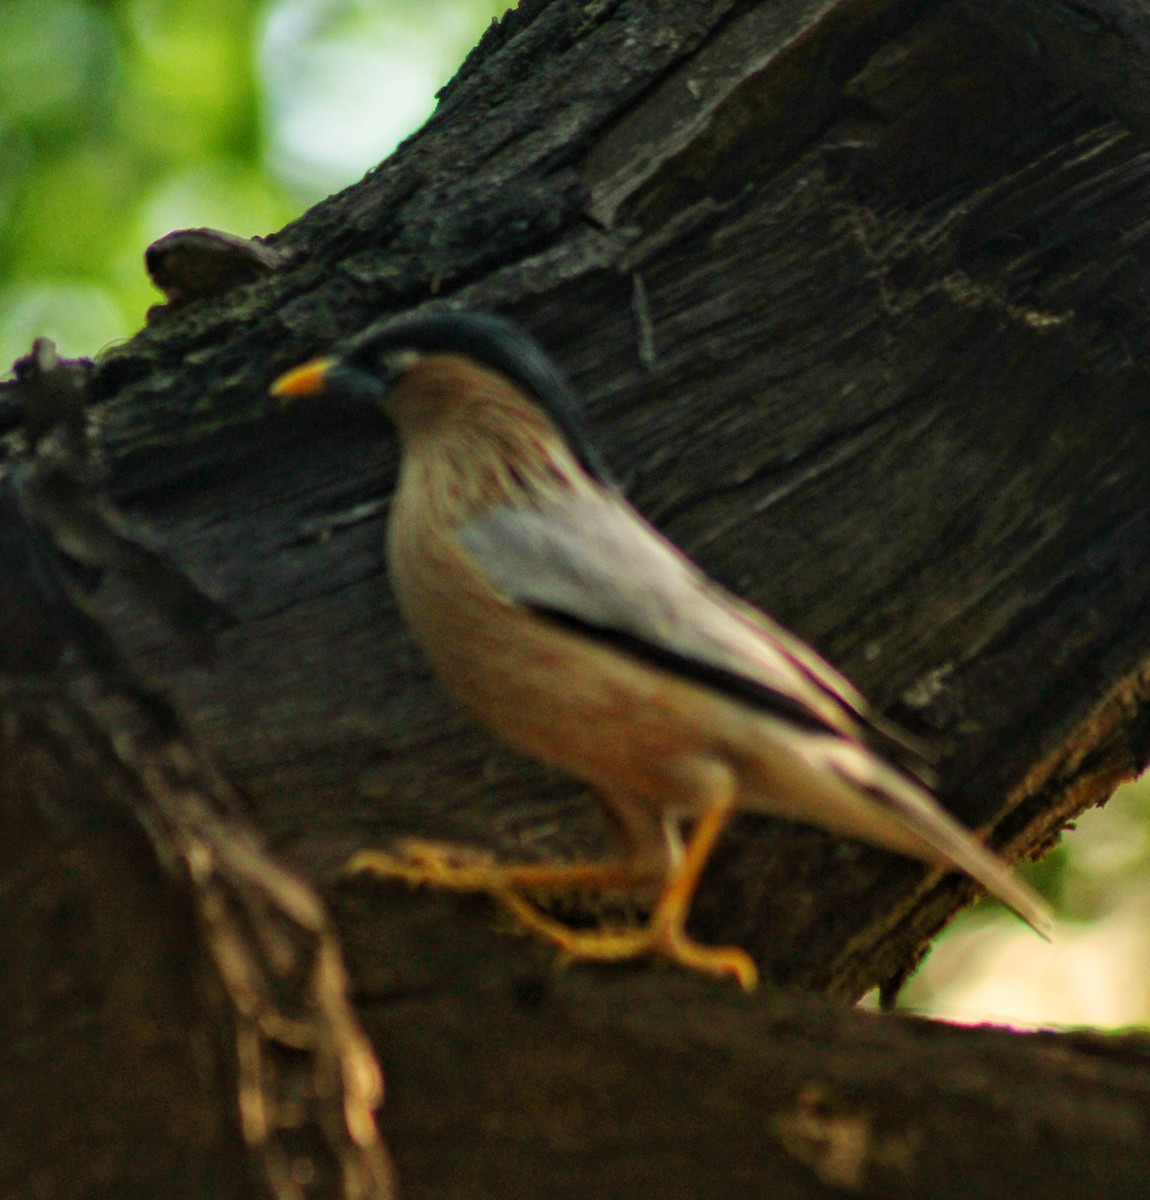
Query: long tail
[917, 812]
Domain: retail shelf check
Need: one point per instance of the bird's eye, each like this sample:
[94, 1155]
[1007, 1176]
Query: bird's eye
[396, 363]
[388, 371]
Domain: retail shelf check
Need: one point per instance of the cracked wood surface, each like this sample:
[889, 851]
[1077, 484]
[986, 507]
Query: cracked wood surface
[650, 1084]
[854, 292]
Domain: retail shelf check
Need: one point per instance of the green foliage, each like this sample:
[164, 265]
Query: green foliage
[121, 120]
[118, 121]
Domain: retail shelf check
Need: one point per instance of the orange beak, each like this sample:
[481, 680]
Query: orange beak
[310, 379]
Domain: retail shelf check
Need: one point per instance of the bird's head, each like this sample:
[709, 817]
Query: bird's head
[440, 363]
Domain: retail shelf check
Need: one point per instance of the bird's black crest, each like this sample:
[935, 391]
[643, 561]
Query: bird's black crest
[496, 343]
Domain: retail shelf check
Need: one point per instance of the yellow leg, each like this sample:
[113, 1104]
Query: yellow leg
[459, 869]
[674, 905]
[462, 869]
[664, 934]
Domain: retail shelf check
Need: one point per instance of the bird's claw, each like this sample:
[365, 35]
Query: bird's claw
[465, 869]
[429, 864]
[660, 937]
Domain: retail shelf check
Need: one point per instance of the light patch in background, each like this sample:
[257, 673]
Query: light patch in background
[81, 318]
[1096, 968]
[1090, 975]
[118, 127]
[220, 195]
[345, 80]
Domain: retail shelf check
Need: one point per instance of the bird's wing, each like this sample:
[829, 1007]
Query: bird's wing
[590, 561]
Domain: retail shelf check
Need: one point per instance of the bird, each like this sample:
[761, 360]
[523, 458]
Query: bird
[561, 620]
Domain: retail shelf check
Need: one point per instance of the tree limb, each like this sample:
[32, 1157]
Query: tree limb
[854, 291]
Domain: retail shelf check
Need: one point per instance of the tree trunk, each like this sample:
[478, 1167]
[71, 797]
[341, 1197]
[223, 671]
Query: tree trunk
[853, 289]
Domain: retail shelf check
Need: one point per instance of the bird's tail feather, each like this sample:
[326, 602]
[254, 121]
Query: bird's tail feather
[920, 814]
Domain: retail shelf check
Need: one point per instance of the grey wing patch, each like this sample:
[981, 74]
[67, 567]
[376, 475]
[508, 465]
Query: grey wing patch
[593, 561]
[578, 558]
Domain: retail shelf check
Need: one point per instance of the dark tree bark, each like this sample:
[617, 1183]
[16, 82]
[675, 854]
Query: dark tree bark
[854, 291]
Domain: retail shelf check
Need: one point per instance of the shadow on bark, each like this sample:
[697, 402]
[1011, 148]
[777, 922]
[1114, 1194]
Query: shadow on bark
[855, 292]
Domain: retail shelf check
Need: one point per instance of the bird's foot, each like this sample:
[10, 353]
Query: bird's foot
[724, 962]
[467, 869]
[427, 864]
[663, 936]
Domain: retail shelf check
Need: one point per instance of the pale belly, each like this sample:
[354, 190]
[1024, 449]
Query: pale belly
[605, 718]
[560, 697]
[631, 731]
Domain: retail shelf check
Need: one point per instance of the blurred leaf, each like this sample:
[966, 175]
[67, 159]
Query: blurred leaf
[71, 313]
[192, 88]
[57, 62]
[121, 120]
